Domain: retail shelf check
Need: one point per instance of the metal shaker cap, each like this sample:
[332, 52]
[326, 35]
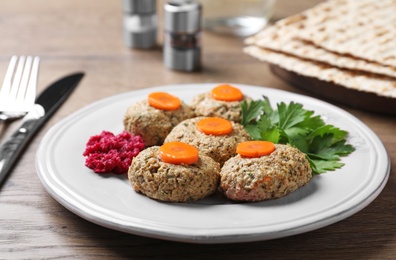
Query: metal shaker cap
[139, 6]
[182, 16]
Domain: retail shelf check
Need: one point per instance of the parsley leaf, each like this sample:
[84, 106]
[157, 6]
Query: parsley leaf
[321, 166]
[267, 130]
[290, 115]
[252, 111]
[322, 143]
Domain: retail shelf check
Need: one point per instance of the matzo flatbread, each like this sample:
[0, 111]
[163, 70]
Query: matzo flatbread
[362, 28]
[283, 38]
[382, 86]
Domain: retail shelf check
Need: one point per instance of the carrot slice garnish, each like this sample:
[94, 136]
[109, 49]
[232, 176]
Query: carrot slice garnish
[227, 92]
[164, 101]
[214, 126]
[254, 149]
[178, 153]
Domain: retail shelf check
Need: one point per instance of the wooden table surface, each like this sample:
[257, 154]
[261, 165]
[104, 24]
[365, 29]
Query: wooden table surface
[73, 35]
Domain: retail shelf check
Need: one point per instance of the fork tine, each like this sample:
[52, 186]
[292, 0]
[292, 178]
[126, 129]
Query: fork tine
[32, 87]
[18, 92]
[20, 98]
[17, 78]
[5, 89]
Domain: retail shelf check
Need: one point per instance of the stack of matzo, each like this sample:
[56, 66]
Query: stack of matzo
[351, 43]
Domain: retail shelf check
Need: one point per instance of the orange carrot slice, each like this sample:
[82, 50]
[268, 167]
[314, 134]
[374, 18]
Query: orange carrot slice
[178, 153]
[214, 126]
[254, 149]
[227, 92]
[164, 101]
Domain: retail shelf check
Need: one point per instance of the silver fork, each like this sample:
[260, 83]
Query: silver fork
[18, 91]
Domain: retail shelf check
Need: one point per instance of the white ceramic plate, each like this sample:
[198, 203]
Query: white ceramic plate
[109, 200]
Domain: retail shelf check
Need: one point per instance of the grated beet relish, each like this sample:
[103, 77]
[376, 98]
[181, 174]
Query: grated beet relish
[107, 152]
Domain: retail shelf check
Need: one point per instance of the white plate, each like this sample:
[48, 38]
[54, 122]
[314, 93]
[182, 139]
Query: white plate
[109, 200]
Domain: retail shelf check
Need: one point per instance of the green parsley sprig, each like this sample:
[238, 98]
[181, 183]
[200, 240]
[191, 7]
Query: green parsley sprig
[323, 144]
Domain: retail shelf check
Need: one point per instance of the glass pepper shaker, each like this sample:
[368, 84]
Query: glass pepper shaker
[140, 23]
[182, 32]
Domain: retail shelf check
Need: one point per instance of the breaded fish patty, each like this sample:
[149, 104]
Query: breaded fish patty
[153, 124]
[173, 182]
[219, 147]
[267, 177]
[204, 105]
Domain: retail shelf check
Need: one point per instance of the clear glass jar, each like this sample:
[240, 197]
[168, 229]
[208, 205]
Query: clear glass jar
[237, 17]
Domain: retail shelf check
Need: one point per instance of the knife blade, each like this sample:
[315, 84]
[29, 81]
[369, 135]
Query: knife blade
[45, 106]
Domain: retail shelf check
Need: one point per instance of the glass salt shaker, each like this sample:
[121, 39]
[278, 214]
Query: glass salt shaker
[182, 33]
[140, 23]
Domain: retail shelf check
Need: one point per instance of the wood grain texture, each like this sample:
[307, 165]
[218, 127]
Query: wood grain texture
[73, 35]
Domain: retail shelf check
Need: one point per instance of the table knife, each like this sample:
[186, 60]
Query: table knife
[45, 106]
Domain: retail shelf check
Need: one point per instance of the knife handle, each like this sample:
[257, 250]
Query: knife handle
[12, 148]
